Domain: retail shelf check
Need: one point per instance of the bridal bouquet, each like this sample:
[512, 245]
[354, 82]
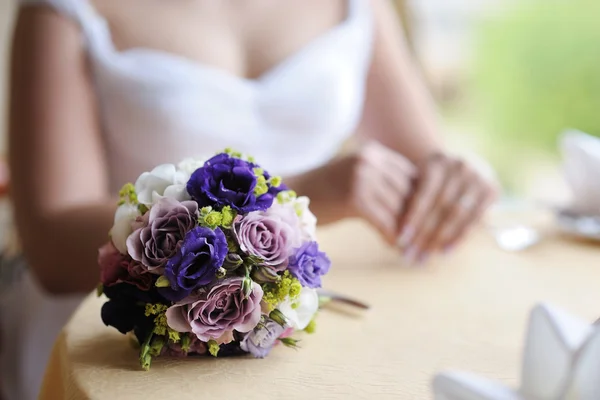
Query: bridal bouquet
[214, 257]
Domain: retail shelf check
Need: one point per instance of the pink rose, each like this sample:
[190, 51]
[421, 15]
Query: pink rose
[215, 313]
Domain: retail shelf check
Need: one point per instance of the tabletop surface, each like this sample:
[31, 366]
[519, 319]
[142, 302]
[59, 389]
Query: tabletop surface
[465, 311]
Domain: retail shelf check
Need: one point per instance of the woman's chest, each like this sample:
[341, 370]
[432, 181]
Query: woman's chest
[243, 38]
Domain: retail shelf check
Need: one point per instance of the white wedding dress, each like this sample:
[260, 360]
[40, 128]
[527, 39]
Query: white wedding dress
[159, 107]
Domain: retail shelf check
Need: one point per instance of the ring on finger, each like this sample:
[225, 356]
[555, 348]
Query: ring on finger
[467, 201]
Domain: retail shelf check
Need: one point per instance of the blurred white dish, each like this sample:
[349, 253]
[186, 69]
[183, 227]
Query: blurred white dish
[579, 225]
[581, 164]
[561, 361]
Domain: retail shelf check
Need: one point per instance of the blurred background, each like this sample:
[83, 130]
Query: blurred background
[508, 76]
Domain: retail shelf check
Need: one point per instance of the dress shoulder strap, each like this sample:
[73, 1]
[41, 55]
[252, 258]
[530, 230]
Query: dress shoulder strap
[77, 10]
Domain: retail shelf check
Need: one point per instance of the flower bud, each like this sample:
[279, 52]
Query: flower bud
[221, 272]
[162, 281]
[232, 261]
[265, 274]
[247, 287]
[278, 317]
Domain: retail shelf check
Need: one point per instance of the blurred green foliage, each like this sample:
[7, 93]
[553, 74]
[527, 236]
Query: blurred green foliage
[537, 71]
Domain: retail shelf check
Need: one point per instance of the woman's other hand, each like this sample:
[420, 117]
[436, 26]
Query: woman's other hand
[448, 198]
[381, 184]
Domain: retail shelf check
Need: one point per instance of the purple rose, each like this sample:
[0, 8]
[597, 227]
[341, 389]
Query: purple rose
[217, 311]
[261, 340]
[229, 181]
[308, 264]
[160, 231]
[196, 262]
[271, 236]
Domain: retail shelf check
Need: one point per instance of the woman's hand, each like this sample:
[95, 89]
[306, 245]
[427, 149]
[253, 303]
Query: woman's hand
[449, 197]
[373, 183]
[381, 184]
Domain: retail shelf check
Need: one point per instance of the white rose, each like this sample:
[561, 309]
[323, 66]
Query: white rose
[308, 221]
[189, 165]
[307, 306]
[163, 181]
[125, 215]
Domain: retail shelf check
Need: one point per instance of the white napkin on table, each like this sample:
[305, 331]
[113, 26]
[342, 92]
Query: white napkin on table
[581, 163]
[561, 361]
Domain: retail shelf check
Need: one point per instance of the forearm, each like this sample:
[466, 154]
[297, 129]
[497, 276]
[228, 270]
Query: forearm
[327, 189]
[399, 111]
[62, 247]
[407, 122]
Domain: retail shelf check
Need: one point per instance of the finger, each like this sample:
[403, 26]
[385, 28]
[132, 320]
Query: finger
[427, 187]
[444, 210]
[395, 168]
[371, 204]
[386, 195]
[376, 214]
[487, 197]
[450, 206]
[462, 212]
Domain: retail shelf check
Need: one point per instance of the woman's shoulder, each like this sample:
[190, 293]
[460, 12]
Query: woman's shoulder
[69, 8]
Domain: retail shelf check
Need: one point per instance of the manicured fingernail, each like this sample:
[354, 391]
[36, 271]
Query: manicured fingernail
[422, 258]
[405, 236]
[410, 255]
[448, 249]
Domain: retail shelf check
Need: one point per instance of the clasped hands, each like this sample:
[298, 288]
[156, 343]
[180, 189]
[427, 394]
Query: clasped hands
[422, 209]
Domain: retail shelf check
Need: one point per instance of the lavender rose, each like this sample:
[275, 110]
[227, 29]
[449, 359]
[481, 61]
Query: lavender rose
[196, 262]
[308, 264]
[271, 236]
[159, 232]
[219, 310]
[261, 340]
[229, 181]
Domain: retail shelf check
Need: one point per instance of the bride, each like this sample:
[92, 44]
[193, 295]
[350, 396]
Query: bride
[102, 90]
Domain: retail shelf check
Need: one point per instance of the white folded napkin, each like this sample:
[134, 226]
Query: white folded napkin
[581, 163]
[561, 361]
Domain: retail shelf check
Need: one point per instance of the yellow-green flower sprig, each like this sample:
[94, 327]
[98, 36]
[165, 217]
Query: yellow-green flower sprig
[236, 154]
[213, 348]
[233, 153]
[128, 195]
[285, 287]
[160, 321]
[312, 326]
[262, 183]
[213, 219]
[286, 196]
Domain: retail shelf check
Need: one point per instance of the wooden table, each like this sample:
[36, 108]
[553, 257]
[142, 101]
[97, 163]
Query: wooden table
[467, 311]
